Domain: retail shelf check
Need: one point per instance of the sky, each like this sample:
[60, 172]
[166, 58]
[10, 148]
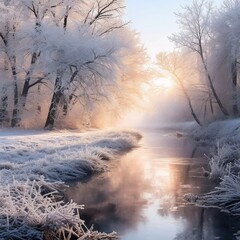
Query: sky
[155, 20]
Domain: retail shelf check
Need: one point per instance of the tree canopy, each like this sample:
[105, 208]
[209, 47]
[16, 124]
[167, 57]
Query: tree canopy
[62, 60]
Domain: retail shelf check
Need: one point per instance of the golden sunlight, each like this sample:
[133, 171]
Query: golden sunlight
[163, 82]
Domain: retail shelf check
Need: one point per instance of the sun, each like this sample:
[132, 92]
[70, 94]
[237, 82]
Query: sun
[163, 82]
[158, 84]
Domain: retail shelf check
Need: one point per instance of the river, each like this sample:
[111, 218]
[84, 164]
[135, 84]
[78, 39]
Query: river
[141, 196]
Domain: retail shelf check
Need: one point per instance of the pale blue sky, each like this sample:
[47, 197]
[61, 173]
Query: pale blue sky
[155, 21]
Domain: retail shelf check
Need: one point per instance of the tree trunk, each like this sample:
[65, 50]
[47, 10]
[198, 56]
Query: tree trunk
[189, 101]
[211, 102]
[4, 105]
[28, 78]
[13, 65]
[39, 109]
[67, 102]
[65, 20]
[54, 103]
[15, 115]
[192, 111]
[223, 110]
[234, 84]
[65, 108]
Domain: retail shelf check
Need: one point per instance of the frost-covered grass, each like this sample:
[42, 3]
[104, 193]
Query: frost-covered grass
[224, 139]
[222, 160]
[224, 165]
[28, 213]
[33, 169]
[225, 196]
[61, 155]
[218, 169]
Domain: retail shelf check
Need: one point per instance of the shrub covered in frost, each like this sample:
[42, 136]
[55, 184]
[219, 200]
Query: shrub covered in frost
[226, 195]
[223, 160]
[218, 169]
[27, 213]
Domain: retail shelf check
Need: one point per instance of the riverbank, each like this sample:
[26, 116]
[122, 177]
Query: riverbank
[224, 164]
[34, 167]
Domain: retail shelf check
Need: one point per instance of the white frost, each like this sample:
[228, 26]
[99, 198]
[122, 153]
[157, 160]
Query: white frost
[61, 156]
[224, 164]
[33, 167]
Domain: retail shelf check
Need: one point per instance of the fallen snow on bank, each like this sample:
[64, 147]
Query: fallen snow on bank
[59, 155]
[33, 167]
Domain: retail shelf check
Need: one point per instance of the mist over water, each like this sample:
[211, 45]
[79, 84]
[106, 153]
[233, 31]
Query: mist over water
[165, 107]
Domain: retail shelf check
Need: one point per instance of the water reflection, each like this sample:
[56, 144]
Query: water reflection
[115, 199]
[141, 197]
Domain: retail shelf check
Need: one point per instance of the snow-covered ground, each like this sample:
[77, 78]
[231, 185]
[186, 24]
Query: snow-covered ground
[224, 163]
[34, 166]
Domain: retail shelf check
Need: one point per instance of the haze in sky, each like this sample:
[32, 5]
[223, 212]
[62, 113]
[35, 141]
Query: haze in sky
[155, 21]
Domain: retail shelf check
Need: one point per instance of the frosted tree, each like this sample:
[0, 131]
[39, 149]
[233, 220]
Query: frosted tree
[8, 35]
[63, 56]
[81, 76]
[226, 44]
[175, 65]
[195, 34]
[86, 67]
[20, 34]
[37, 11]
[128, 93]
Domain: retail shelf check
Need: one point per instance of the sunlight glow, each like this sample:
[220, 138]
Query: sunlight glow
[163, 82]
